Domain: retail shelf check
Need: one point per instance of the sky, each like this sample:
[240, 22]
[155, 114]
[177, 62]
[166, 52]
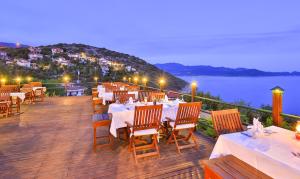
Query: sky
[262, 34]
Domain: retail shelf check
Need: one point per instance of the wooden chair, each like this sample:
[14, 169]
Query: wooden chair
[10, 88]
[230, 167]
[142, 94]
[36, 84]
[157, 96]
[95, 94]
[4, 108]
[39, 94]
[29, 95]
[98, 106]
[186, 119]
[133, 88]
[102, 120]
[117, 94]
[173, 95]
[226, 121]
[125, 98]
[146, 123]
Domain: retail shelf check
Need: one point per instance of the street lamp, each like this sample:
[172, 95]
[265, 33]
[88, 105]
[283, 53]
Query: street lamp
[124, 78]
[96, 80]
[135, 79]
[194, 90]
[29, 79]
[145, 80]
[18, 80]
[3, 81]
[162, 83]
[129, 79]
[66, 81]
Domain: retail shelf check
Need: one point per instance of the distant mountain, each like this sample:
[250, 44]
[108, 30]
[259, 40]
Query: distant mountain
[182, 70]
[11, 45]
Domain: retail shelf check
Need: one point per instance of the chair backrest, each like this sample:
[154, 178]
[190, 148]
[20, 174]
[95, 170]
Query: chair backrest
[133, 88]
[36, 84]
[157, 95]
[123, 98]
[110, 88]
[10, 88]
[27, 86]
[95, 94]
[173, 95]
[226, 121]
[4, 95]
[144, 94]
[39, 92]
[188, 113]
[117, 94]
[147, 117]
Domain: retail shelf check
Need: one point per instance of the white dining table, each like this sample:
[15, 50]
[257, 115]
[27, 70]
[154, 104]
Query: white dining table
[108, 96]
[20, 95]
[35, 88]
[270, 153]
[125, 113]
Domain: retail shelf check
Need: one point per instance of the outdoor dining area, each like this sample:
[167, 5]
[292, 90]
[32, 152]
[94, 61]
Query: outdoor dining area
[13, 95]
[145, 118]
[126, 130]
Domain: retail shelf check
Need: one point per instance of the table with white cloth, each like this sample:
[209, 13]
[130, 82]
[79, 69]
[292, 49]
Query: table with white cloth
[108, 96]
[19, 95]
[35, 88]
[270, 153]
[125, 113]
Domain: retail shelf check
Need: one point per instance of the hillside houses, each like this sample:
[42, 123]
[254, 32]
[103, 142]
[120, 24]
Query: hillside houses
[56, 51]
[3, 55]
[62, 61]
[23, 63]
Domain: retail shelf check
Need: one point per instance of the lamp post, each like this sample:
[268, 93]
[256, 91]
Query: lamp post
[66, 81]
[18, 80]
[3, 81]
[277, 105]
[29, 79]
[162, 83]
[96, 80]
[136, 80]
[194, 90]
[124, 79]
[129, 79]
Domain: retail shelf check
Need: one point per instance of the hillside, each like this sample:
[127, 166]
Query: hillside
[52, 61]
[182, 70]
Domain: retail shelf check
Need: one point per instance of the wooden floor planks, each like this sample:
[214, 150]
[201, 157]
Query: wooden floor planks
[53, 139]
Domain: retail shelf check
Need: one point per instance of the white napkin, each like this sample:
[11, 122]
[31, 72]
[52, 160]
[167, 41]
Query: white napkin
[166, 98]
[258, 128]
[130, 100]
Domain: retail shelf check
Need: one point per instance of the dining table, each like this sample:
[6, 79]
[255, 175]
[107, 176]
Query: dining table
[20, 95]
[276, 152]
[108, 95]
[122, 113]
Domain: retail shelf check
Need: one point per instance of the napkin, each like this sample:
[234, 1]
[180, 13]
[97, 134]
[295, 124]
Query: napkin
[257, 126]
[166, 98]
[130, 101]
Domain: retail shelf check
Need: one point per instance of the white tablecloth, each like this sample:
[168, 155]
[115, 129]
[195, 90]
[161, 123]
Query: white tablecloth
[19, 95]
[271, 154]
[108, 96]
[122, 113]
[35, 88]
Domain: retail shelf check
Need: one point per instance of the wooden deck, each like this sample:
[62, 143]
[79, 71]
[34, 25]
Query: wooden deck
[53, 139]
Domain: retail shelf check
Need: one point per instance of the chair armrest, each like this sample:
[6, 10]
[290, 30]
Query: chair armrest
[170, 119]
[128, 124]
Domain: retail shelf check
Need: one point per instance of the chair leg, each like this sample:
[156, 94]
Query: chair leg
[156, 144]
[176, 143]
[170, 138]
[194, 139]
[95, 139]
[134, 150]
[130, 144]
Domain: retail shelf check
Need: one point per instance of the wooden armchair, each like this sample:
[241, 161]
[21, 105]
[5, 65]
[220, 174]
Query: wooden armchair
[36, 84]
[29, 95]
[186, 119]
[10, 88]
[157, 96]
[146, 123]
[39, 94]
[144, 94]
[98, 106]
[117, 94]
[4, 108]
[226, 121]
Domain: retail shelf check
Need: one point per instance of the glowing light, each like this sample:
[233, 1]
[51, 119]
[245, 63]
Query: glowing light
[194, 84]
[29, 79]
[135, 79]
[18, 79]
[3, 80]
[298, 127]
[162, 81]
[145, 80]
[124, 78]
[277, 90]
[66, 79]
[18, 44]
[96, 78]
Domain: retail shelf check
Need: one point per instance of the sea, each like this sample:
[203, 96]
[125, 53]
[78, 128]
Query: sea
[255, 91]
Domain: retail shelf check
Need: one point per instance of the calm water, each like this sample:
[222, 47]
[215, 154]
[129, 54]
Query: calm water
[254, 90]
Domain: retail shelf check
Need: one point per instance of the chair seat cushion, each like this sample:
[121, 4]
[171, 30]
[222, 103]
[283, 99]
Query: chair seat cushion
[101, 117]
[144, 132]
[182, 126]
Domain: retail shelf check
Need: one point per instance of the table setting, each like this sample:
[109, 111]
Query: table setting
[273, 150]
[123, 113]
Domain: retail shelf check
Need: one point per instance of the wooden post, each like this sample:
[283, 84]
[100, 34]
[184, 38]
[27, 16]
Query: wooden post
[277, 105]
[193, 91]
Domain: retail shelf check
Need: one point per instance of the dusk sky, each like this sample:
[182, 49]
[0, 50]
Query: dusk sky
[263, 34]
